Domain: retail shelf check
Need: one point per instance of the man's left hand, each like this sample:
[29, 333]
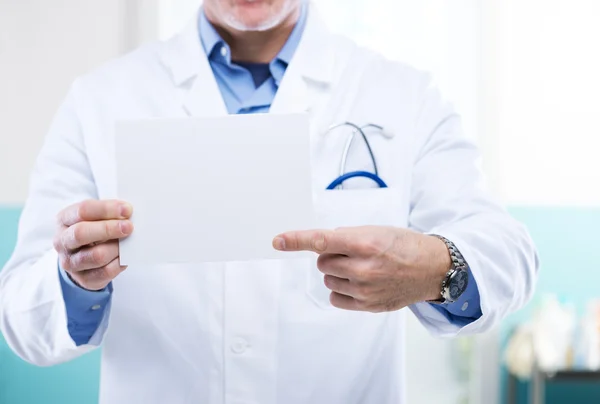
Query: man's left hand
[375, 269]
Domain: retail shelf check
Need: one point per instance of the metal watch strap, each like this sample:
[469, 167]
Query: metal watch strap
[458, 261]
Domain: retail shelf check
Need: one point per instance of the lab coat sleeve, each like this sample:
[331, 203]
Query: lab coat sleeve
[33, 315]
[449, 198]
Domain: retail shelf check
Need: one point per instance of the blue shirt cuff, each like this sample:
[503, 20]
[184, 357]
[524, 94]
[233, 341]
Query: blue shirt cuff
[466, 309]
[85, 308]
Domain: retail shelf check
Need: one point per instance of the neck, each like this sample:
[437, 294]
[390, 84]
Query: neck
[255, 46]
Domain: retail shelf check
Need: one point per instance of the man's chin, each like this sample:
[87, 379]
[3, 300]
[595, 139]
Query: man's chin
[253, 24]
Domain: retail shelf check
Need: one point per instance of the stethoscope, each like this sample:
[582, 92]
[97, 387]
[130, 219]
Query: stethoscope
[343, 175]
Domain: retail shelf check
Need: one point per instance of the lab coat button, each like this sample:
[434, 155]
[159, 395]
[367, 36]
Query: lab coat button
[239, 346]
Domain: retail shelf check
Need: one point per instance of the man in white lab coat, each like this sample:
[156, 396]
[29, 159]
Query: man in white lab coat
[322, 330]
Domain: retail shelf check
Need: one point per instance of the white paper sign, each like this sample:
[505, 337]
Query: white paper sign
[213, 189]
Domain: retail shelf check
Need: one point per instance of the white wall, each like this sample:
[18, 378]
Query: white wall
[542, 91]
[44, 45]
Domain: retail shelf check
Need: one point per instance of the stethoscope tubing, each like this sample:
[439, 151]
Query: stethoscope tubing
[343, 176]
[354, 174]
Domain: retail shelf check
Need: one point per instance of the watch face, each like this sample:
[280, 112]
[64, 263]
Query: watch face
[458, 283]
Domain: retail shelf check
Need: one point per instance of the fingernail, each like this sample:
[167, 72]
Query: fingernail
[125, 227]
[279, 243]
[126, 210]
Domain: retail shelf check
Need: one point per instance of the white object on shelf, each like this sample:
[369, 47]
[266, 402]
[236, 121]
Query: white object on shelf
[587, 348]
[520, 356]
[553, 326]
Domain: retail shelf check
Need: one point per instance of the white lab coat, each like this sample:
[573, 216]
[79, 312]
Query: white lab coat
[261, 332]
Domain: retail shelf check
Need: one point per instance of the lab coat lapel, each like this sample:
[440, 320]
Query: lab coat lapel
[310, 71]
[292, 95]
[308, 86]
[192, 74]
[204, 98]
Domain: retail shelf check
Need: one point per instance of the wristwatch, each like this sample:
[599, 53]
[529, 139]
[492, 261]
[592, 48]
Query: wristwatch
[456, 280]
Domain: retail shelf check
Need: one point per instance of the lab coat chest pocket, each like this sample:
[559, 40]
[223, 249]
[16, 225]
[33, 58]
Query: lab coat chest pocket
[351, 208]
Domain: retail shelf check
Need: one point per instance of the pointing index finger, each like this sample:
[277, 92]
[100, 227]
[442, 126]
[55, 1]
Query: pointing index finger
[318, 241]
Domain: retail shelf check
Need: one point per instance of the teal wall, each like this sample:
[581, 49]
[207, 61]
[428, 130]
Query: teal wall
[566, 239]
[9, 218]
[568, 243]
[20, 383]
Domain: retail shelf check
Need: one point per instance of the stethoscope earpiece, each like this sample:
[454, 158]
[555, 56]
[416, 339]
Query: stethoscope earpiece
[387, 134]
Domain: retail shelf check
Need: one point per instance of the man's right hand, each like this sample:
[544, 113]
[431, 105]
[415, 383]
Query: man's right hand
[87, 241]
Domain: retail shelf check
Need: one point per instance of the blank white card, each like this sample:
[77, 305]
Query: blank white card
[213, 189]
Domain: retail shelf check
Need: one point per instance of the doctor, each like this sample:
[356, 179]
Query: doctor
[276, 331]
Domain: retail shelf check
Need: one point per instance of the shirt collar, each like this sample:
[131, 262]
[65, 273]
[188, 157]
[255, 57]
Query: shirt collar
[211, 40]
[217, 50]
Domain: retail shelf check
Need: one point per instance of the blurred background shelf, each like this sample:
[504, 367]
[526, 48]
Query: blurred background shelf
[572, 375]
[555, 388]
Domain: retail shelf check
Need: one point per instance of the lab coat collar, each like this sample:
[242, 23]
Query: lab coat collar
[183, 54]
[314, 57]
[185, 57]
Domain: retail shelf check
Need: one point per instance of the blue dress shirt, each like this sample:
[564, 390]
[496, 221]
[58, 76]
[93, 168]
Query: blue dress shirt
[246, 89]
[85, 309]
